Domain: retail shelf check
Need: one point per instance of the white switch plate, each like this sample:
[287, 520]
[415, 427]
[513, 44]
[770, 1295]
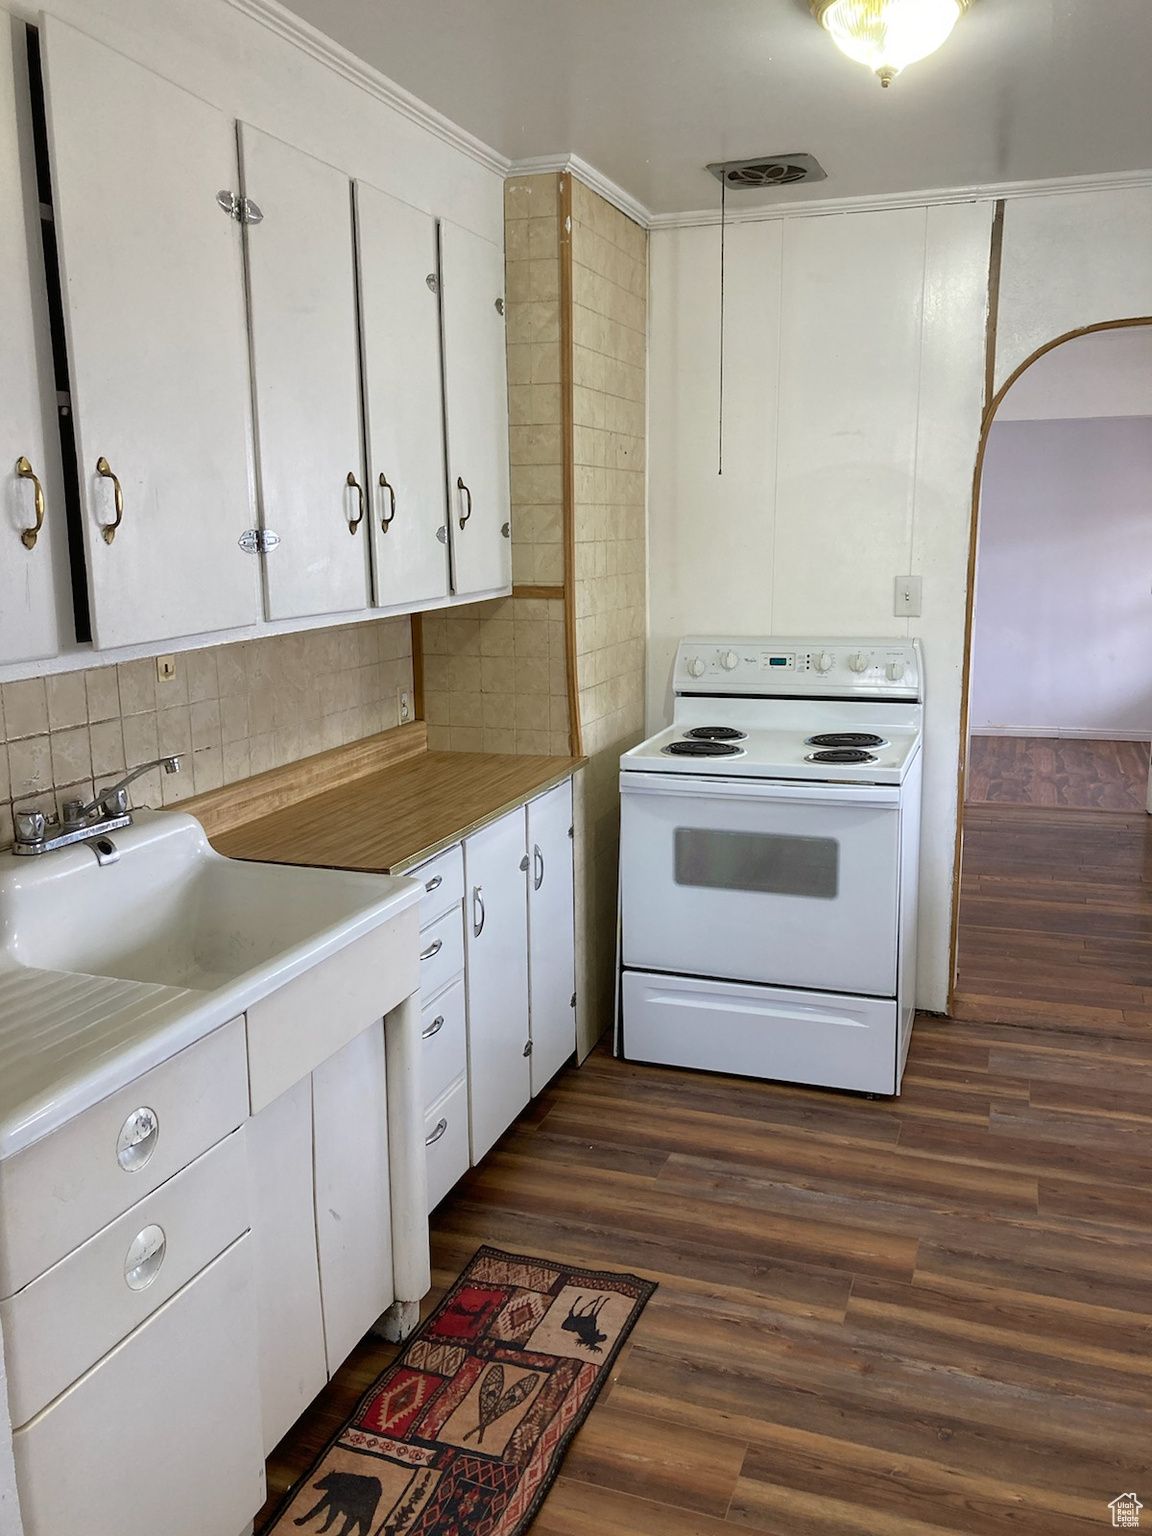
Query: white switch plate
[165, 668]
[909, 597]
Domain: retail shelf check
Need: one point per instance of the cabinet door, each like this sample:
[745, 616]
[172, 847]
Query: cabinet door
[403, 399]
[167, 1423]
[496, 928]
[306, 377]
[476, 409]
[551, 933]
[353, 1214]
[293, 1366]
[28, 613]
[152, 277]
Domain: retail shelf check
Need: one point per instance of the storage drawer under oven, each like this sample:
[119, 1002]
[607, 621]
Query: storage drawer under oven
[795, 1037]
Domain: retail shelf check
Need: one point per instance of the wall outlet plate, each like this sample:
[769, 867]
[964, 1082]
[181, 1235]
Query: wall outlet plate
[909, 597]
[165, 668]
[403, 705]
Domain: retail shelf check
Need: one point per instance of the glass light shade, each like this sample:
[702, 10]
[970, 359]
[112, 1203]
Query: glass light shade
[888, 34]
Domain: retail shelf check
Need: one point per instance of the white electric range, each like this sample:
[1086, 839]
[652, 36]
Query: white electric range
[769, 854]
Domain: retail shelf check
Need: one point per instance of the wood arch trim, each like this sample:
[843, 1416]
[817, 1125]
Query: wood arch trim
[990, 410]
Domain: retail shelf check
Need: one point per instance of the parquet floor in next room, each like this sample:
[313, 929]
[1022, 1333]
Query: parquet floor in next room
[910, 1317]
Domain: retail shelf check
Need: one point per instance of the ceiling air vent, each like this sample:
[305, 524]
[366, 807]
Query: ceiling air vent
[768, 171]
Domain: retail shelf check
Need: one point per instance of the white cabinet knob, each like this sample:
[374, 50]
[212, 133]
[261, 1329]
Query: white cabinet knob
[859, 662]
[895, 670]
[729, 660]
[824, 662]
[696, 667]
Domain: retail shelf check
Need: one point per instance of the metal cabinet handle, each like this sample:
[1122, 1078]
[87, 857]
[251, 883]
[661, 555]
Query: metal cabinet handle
[433, 949]
[434, 884]
[137, 1139]
[477, 905]
[538, 876]
[460, 486]
[26, 472]
[145, 1255]
[354, 484]
[385, 486]
[441, 1127]
[104, 469]
[434, 1028]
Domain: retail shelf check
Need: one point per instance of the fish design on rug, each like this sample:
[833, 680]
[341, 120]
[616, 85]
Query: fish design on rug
[582, 1321]
[344, 1494]
[495, 1402]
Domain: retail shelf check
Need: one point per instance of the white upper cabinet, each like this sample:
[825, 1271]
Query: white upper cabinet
[152, 279]
[305, 360]
[476, 408]
[31, 501]
[403, 398]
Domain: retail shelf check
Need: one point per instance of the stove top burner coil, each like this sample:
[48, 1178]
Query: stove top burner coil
[846, 739]
[841, 755]
[716, 733]
[702, 749]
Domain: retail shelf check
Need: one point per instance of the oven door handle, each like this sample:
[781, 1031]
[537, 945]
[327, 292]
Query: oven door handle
[759, 791]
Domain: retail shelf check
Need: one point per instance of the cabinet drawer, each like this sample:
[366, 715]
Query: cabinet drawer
[311, 1018]
[56, 1193]
[168, 1424]
[82, 1307]
[443, 882]
[441, 952]
[445, 1040]
[446, 1142]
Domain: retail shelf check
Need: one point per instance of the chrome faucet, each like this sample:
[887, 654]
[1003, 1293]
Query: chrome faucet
[37, 832]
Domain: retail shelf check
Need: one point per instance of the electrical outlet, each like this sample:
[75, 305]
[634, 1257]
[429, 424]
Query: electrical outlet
[909, 597]
[165, 668]
[403, 705]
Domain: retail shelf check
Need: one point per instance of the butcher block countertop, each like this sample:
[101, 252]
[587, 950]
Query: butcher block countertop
[381, 805]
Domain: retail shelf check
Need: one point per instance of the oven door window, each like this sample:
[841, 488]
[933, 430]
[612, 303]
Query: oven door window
[772, 863]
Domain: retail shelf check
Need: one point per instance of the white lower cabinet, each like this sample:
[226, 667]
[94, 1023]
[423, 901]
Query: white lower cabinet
[446, 1141]
[164, 1431]
[551, 934]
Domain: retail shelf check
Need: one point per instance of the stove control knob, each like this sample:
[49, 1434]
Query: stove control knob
[696, 667]
[824, 662]
[729, 660]
[859, 661]
[895, 670]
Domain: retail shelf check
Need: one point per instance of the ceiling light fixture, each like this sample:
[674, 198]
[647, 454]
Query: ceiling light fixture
[888, 34]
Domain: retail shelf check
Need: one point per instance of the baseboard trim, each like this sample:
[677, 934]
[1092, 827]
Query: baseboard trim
[1063, 733]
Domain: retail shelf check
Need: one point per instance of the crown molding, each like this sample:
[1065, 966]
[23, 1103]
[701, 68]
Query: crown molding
[295, 30]
[821, 206]
[610, 191]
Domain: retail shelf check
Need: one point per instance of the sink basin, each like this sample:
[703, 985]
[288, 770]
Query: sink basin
[172, 911]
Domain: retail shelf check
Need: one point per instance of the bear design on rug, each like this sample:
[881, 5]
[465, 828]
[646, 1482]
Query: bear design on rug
[346, 1495]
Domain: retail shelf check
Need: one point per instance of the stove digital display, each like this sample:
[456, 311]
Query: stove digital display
[767, 660]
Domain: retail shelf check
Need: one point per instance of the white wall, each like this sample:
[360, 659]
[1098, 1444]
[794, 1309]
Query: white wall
[1063, 631]
[1105, 373]
[853, 396]
[855, 374]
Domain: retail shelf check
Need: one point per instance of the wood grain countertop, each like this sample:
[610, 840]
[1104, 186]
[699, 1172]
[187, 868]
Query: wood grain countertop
[382, 806]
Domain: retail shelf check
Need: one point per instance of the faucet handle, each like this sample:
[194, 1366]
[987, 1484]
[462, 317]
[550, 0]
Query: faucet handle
[116, 802]
[73, 812]
[30, 826]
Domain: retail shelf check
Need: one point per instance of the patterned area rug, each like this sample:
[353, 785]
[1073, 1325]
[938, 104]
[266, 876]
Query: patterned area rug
[464, 1432]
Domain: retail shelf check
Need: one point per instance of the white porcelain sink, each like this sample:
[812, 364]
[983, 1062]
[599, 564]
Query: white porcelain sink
[107, 968]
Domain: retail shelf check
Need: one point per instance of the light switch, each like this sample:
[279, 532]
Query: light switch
[165, 668]
[909, 597]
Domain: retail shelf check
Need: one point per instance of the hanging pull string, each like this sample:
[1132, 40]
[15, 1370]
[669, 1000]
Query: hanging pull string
[723, 231]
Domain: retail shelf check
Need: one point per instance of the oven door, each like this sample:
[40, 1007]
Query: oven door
[753, 880]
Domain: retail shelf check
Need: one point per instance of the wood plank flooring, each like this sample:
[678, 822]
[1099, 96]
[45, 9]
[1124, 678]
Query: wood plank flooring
[908, 1317]
[1056, 919]
[1069, 772]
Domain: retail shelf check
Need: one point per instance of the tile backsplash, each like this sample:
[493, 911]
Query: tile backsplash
[230, 711]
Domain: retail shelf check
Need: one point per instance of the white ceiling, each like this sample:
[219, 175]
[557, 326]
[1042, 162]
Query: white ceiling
[649, 91]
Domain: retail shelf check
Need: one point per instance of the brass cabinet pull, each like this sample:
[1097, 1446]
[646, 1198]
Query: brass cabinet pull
[355, 485]
[384, 486]
[25, 471]
[109, 529]
[460, 486]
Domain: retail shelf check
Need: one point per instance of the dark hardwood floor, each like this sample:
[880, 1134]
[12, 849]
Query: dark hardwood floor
[1067, 772]
[895, 1318]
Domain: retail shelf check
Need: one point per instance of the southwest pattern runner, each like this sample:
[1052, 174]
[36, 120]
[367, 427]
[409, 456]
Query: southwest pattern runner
[464, 1432]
